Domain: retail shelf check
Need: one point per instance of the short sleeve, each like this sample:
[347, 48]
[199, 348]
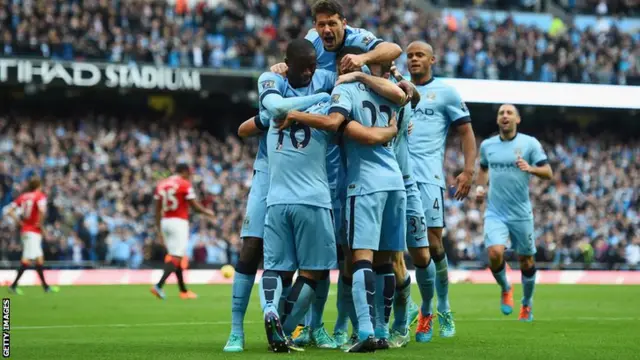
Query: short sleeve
[262, 124]
[42, 204]
[455, 109]
[341, 101]
[537, 155]
[270, 83]
[484, 162]
[363, 39]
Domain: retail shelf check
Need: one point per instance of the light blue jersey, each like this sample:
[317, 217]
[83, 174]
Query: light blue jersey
[508, 197]
[333, 165]
[352, 37]
[370, 169]
[440, 106]
[297, 163]
[272, 83]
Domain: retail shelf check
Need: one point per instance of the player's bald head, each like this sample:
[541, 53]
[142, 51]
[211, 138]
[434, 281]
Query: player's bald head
[421, 46]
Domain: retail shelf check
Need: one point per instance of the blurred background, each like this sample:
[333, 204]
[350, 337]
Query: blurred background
[103, 97]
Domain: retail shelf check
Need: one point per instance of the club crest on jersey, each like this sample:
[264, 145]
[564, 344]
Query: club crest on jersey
[246, 222]
[518, 152]
[335, 98]
[268, 84]
[367, 39]
[431, 96]
[463, 106]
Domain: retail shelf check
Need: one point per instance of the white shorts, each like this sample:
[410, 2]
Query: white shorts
[176, 235]
[31, 245]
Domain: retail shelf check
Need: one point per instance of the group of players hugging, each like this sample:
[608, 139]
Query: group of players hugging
[349, 175]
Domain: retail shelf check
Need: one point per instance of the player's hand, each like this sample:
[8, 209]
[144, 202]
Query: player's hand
[286, 121]
[280, 69]
[408, 89]
[348, 78]
[410, 128]
[523, 164]
[352, 62]
[463, 185]
[481, 193]
[393, 122]
[394, 71]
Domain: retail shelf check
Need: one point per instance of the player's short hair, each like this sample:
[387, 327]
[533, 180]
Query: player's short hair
[183, 168]
[300, 48]
[328, 7]
[348, 50]
[34, 183]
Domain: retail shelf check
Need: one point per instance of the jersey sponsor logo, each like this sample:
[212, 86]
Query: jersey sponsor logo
[421, 111]
[268, 84]
[367, 40]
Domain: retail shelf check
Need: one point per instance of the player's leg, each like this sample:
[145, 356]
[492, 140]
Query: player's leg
[28, 252]
[341, 328]
[521, 233]
[364, 221]
[279, 257]
[252, 234]
[393, 241]
[433, 202]
[418, 244]
[24, 265]
[399, 336]
[316, 256]
[496, 234]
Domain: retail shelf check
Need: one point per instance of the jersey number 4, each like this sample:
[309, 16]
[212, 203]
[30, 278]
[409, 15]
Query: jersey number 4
[374, 114]
[169, 200]
[293, 130]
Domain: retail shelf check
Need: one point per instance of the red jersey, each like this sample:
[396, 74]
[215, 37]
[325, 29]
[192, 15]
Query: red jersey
[174, 193]
[29, 203]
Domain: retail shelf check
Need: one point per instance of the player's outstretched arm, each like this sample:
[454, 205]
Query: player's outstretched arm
[278, 106]
[329, 122]
[371, 135]
[250, 127]
[380, 86]
[384, 52]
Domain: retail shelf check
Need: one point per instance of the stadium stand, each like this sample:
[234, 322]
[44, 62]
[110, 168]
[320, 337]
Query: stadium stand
[252, 34]
[101, 173]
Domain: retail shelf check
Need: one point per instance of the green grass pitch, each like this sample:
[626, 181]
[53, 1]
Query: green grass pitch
[127, 322]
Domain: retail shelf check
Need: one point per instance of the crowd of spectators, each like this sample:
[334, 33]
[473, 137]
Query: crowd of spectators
[253, 34]
[100, 174]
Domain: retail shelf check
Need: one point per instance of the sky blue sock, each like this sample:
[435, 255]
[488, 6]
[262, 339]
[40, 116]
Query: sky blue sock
[425, 277]
[364, 289]
[501, 277]
[298, 303]
[241, 294]
[270, 291]
[442, 285]
[322, 293]
[528, 286]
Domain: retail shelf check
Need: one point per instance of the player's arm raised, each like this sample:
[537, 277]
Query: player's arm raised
[380, 86]
[278, 106]
[382, 52]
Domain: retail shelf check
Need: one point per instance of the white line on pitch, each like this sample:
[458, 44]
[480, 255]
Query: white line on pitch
[202, 323]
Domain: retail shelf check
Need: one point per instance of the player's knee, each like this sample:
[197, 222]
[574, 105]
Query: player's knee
[435, 240]
[420, 256]
[359, 255]
[383, 257]
[527, 263]
[251, 254]
[383, 268]
[495, 253]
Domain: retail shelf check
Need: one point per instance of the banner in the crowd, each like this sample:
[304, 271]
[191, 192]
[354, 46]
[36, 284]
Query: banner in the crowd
[122, 277]
[18, 71]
